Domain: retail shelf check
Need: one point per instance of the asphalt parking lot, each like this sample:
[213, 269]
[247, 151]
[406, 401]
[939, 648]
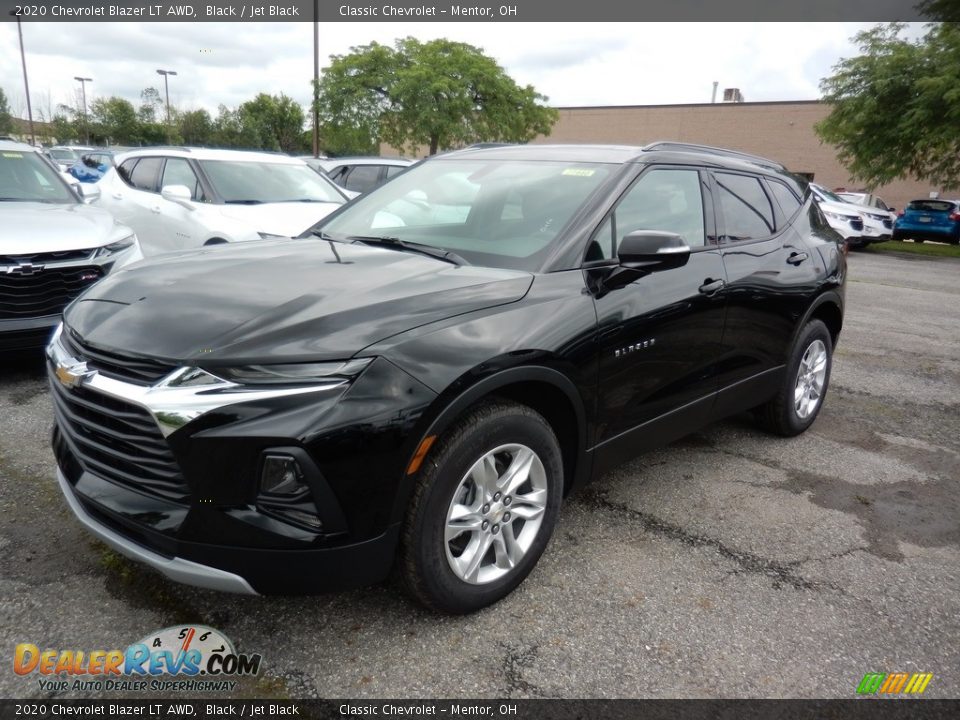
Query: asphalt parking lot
[730, 564]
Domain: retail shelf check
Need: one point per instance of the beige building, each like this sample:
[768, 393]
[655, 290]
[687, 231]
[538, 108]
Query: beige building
[781, 131]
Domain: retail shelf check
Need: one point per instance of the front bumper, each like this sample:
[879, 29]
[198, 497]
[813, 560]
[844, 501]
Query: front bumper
[179, 569]
[182, 493]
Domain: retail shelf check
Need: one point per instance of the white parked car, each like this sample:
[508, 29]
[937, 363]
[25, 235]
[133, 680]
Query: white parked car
[53, 245]
[868, 200]
[181, 198]
[875, 225]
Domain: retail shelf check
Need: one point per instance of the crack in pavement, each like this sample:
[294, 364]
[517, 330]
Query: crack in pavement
[514, 663]
[782, 573]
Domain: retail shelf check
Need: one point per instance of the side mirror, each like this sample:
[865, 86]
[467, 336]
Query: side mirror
[179, 194]
[650, 251]
[88, 192]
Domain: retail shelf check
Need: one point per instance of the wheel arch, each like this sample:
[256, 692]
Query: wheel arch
[546, 390]
[828, 308]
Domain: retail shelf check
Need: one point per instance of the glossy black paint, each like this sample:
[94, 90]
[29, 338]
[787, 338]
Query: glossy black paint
[445, 337]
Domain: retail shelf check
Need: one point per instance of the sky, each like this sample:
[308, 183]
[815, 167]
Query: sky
[573, 64]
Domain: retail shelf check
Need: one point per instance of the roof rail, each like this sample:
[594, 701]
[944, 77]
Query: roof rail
[158, 147]
[710, 150]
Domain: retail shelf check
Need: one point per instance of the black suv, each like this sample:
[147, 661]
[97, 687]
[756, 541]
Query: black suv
[423, 378]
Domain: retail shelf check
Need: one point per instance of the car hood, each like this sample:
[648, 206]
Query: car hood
[287, 219]
[281, 301]
[36, 227]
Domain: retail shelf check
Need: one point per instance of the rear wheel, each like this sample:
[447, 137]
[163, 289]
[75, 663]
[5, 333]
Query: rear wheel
[483, 510]
[797, 404]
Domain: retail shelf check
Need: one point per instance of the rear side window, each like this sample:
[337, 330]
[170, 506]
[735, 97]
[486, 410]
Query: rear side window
[787, 200]
[362, 178]
[392, 170]
[747, 212]
[126, 169]
[144, 175]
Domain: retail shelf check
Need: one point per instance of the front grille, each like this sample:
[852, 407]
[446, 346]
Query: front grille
[117, 441]
[856, 224]
[47, 257]
[888, 223]
[140, 371]
[44, 292]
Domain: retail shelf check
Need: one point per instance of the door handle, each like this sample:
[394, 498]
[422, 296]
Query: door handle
[118, 196]
[155, 210]
[710, 287]
[797, 258]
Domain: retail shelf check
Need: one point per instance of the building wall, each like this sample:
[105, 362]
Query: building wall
[781, 131]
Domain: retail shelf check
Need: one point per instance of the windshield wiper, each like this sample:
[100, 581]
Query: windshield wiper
[405, 245]
[243, 202]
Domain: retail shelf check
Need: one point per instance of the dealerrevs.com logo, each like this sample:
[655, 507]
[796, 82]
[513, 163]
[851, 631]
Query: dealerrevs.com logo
[187, 658]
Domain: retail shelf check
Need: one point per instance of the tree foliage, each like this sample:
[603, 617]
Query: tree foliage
[6, 119]
[896, 107]
[275, 122]
[440, 94]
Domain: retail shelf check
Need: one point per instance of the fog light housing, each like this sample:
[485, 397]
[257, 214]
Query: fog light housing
[285, 493]
[281, 475]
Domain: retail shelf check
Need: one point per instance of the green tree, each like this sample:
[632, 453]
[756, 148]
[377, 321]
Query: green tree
[6, 119]
[277, 121]
[196, 127]
[441, 94]
[115, 120]
[151, 108]
[65, 128]
[895, 109]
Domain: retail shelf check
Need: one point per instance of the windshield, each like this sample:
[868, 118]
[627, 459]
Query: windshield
[830, 195]
[62, 154]
[492, 212]
[24, 176]
[267, 182]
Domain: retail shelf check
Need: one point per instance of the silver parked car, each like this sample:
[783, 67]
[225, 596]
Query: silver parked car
[52, 245]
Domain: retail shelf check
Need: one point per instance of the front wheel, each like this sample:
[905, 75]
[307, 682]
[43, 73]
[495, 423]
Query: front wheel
[794, 408]
[483, 510]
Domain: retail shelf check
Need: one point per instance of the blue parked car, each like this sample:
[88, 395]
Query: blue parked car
[937, 220]
[92, 165]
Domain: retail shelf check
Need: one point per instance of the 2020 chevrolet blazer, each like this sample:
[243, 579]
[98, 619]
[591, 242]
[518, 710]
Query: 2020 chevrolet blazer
[420, 380]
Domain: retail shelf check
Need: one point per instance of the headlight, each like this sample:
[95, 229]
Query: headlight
[293, 373]
[117, 246]
[842, 218]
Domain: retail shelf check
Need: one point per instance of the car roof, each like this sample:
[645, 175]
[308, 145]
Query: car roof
[209, 154]
[660, 152]
[17, 146]
[365, 160]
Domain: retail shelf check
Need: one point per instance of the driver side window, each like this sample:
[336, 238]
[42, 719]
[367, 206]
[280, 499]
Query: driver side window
[668, 200]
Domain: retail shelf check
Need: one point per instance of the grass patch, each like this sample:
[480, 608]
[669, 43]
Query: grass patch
[928, 249]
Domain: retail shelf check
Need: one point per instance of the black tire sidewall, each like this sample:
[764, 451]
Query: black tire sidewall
[812, 331]
[501, 426]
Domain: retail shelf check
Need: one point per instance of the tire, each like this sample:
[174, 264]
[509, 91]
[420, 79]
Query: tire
[898, 237]
[435, 567]
[919, 241]
[785, 415]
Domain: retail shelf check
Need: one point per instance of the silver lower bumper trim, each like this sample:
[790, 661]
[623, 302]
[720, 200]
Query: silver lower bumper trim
[184, 571]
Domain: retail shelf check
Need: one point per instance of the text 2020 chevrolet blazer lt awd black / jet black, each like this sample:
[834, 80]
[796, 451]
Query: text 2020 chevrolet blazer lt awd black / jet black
[423, 379]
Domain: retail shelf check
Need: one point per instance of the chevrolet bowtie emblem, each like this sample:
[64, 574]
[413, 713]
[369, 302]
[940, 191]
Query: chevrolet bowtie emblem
[73, 373]
[21, 269]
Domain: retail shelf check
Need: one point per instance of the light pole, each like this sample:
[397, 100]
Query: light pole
[83, 91]
[26, 84]
[166, 89]
[316, 76]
